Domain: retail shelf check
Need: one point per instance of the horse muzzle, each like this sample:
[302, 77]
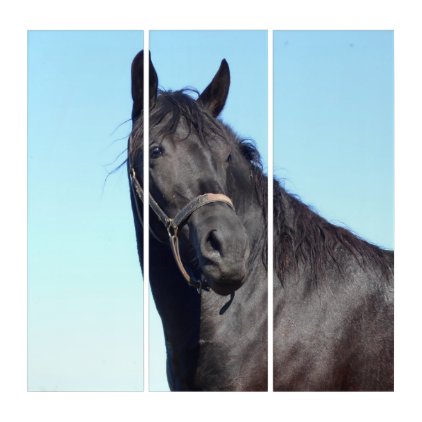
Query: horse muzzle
[223, 248]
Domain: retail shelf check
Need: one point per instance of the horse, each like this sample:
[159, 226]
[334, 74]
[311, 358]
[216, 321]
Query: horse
[332, 293]
[208, 273]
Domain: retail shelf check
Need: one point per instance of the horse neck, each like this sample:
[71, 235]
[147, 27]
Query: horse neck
[177, 303]
[179, 308]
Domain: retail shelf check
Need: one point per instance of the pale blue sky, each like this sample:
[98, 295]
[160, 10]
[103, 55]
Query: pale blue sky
[84, 285]
[334, 126]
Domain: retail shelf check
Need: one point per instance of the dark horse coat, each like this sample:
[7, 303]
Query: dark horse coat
[333, 303]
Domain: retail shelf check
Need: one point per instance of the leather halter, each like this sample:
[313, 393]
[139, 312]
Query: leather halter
[173, 225]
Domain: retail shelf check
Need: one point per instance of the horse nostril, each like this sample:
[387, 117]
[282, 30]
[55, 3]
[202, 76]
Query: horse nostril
[213, 242]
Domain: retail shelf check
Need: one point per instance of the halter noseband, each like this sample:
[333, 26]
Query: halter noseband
[173, 225]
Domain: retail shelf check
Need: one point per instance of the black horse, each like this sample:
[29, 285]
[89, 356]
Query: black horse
[215, 340]
[333, 300]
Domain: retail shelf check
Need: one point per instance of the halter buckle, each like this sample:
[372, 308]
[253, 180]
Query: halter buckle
[172, 228]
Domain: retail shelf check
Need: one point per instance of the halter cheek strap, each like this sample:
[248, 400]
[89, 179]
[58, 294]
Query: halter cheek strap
[173, 225]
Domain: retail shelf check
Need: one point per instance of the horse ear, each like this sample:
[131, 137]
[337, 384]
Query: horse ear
[138, 84]
[215, 94]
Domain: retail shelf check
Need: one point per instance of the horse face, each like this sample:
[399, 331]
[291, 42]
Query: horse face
[182, 168]
[190, 154]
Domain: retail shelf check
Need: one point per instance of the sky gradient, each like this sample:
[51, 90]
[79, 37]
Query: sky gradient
[334, 126]
[84, 285]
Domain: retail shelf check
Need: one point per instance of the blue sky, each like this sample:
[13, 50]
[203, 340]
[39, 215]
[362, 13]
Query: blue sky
[84, 288]
[334, 126]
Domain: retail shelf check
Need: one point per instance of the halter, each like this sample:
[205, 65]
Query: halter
[173, 225]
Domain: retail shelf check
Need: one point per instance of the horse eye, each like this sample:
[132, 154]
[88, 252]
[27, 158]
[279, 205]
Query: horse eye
[229, 158]
[156, 152]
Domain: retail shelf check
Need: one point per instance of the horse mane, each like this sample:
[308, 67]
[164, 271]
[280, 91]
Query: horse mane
[301, 236]
[305, 237]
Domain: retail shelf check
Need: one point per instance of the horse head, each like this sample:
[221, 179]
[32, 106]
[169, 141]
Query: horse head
[191, 155]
